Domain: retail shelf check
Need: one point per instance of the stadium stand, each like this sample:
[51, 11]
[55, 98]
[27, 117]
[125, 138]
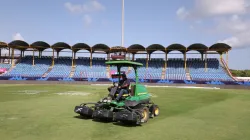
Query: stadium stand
[5, 66]
[214, 70]
[191, 71]
[25, 67]
[175, 69]
[84, 70]
[62, 67]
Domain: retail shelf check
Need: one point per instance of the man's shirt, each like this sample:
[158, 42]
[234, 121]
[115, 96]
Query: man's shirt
[125, 82]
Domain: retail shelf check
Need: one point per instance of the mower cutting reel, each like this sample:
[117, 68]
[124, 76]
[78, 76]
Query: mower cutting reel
[135, 107]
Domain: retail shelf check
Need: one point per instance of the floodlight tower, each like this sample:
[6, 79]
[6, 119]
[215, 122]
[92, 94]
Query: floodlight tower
[122, 39]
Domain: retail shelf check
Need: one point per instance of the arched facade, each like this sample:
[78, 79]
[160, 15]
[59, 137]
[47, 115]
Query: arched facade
[220, 48]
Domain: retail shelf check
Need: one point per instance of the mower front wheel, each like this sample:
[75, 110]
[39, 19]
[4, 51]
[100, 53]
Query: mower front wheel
[154, 110]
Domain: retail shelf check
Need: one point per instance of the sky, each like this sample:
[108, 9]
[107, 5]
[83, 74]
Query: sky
[146, 22]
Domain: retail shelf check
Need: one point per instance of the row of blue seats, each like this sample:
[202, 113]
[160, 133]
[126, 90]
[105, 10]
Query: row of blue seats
[245, 83]
[175, 69]
[5, 66]
[166, 81]
[215, 83]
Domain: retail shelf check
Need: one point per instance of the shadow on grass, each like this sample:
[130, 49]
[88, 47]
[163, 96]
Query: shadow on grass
[126, 124]
[101, 121]
[82, 117]
[123, 124]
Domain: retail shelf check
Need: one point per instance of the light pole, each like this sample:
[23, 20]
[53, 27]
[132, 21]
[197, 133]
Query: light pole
[122, 24]
[122, 39]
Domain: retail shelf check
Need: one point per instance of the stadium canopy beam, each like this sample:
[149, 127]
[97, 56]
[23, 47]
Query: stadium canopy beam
[152, 48]
[220, 48]
[155, 47]
[3, 45]
[77, 47]
[40, 46]
[59, 46]
[100, 47]
[19, 44]
[134, 49]
[80, 46]
[176, 47]
[201, 48]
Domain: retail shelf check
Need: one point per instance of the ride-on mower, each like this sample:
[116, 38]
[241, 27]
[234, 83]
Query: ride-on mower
[134, 107]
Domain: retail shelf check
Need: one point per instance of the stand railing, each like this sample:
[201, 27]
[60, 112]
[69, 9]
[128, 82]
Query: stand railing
[227, 69]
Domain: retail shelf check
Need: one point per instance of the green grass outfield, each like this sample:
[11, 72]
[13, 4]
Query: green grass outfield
[45, 112]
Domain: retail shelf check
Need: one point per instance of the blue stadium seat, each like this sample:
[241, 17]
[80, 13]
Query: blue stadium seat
[62, 67]
[215, 71]
[25, 67]
[83, 69]
[175, 69]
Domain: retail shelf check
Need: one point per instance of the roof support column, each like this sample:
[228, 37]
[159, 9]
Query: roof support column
[39, 54]
[53, 57]
[33, 59]
[205, 61]
[133, 57]
[227, 57]
[202, 56]
[72, 58]
[147, 61]
[166, 60]
[12, 59]
[9, 55]
[185, 60]
[91, 53]
[21, 55]
[108, 56]
[0, 55]
[57, 54]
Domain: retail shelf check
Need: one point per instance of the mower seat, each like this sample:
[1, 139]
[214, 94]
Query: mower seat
[131, 92]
